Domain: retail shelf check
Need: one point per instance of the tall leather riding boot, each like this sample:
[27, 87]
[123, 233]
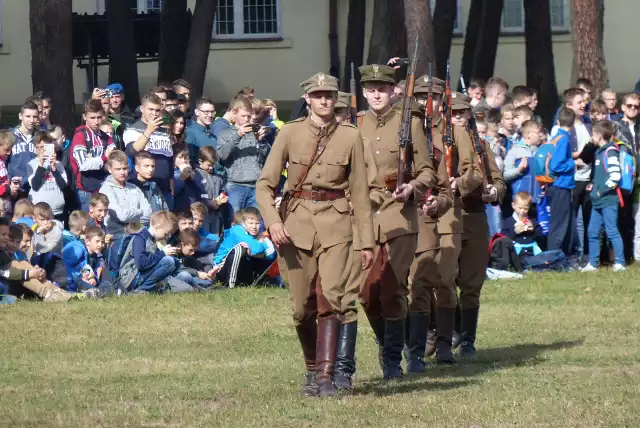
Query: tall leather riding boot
[307, 335]
[455, 339]
[446, 319]
[468, 334]
[346, 357]
[392, 348]
[417, 341]
[377, 325]
[328, 329]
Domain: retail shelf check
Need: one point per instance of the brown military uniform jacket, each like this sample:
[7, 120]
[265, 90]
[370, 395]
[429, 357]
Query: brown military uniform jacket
[395, 219]
[472, 202]
[341, 166]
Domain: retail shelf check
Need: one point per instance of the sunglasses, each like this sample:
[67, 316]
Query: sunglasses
[633, 106]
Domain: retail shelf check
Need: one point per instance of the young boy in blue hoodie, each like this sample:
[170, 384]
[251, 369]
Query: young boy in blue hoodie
[187, 188]
[85, 263]
[209, 241]
[558, 193]
[605, 196]
[243, 255]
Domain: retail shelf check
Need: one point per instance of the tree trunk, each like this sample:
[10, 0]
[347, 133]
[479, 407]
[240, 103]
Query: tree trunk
[123, 60]
[195, 68]
[417, 18]
[587, 28]
[474, 22]
[389, 37]
[174, 39]
[334, 54]
[444, 20]
[355, 41]
[52, 57]
[539, 57]
[487, 47]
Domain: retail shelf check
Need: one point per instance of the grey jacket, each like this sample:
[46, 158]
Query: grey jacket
[50, 242]
[517, 152]
[126, 205]
[243, 157]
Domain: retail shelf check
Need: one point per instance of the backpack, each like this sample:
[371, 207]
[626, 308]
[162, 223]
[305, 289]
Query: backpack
[115, 259]
[502, 254]
[554, 260]
[627, 166]
[541, 160]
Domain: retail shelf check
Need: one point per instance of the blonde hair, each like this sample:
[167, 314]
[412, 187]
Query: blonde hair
[507, 108]
[523, 197]
[117, 156]
[164, 218]
[23, 208]
[78, 221]
[43, 209]
[200, 208]
[7, 138]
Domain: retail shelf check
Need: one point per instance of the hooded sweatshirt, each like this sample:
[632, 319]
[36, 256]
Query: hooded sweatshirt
[88, 157]
[127, 204]
[21, 153]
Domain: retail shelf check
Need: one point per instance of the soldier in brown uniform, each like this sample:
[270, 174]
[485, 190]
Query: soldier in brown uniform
[384, 293]
[474, 256]
[436, 264]
[313, 229]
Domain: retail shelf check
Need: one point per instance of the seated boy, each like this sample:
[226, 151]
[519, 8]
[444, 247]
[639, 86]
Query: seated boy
[23, 212]
[78, 223]
[212, 197]
[84, 262]
[98, 210]
[145, 268]
[47, 244]
[127, 203]
[187, 188]
[525, 232]
[193, 272]
[209, 241]
[24, 235]
[243, 255]
[145, 166]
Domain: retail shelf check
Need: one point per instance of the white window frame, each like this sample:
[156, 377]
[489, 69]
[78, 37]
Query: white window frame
[238, 25]
[142, 6]
[457, 29]
[520, 29]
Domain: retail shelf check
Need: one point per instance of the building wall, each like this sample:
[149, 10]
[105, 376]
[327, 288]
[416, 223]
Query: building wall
[275, 68]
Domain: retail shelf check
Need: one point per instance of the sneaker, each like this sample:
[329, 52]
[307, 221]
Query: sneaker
[589, 268]
[92, 293]
[619, 267]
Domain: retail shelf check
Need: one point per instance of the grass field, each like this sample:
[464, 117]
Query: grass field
[554, 351]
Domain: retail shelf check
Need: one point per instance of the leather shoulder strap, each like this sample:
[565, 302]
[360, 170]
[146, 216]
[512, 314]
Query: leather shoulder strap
[319, 149]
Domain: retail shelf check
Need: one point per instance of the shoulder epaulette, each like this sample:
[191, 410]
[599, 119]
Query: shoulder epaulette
[349, 124]
[300, 119]
[361, 113]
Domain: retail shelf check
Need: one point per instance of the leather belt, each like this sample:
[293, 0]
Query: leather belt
[321, 195]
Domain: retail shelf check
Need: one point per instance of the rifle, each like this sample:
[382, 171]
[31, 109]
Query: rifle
[428, 118]
[354, 98]
[405, 152]
[478, 146]
[447, 138]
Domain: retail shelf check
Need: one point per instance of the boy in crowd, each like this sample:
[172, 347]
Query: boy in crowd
[558, 193]
[610, 99]
[521, 96]
[145, 165]
[525, 232]
[8, 189]
[508, 130]
[90, 149]
[25, 237]
[149, 135]
[127, 203]
[144, 267]
[272, 111]
[187, 188]
[605, 197]
[85, 263]
[23, 150]
[210, 240]
[23, 212]
[598, 111]
[522, 150]
[78, 223]
[212, 197]
[475, 90]
[195, 273]
[47, 244]
[243, 255]
[521, 114]
[98, 211]
[199, 132]
[47, 177]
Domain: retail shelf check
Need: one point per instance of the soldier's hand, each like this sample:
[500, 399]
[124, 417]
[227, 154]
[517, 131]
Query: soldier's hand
[431, 206]
[403, 193]
[279, 234]
[453, 183]
[367, 258]
[490, 194]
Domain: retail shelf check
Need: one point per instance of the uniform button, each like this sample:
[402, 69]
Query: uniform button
[377, 152]
[319, 162]
[378, 138]
[318, 175]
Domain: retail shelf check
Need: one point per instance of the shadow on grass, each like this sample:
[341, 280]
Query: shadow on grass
[487, 360]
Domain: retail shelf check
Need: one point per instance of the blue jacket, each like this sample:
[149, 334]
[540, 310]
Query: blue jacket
[76, 257]
[562, 164]
[144, 260]
[606, 176]
[21, 154]
[236, 235]
[187, 191]
[198, 136]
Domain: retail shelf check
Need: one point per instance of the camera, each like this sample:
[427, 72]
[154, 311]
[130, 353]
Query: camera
[107, 93]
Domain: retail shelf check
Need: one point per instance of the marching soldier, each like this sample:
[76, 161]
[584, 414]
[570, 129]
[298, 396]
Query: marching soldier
[474, 255]
[313, 229]
[384, 293]
[424, 263]
[436, 263]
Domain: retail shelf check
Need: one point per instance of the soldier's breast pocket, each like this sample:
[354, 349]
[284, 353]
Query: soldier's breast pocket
[336, 166]
[298, 162]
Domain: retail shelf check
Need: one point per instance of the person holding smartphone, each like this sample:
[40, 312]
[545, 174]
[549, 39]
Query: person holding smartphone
[47, 177]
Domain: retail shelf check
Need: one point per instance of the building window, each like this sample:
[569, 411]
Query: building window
[247, 19]
[513, 16]
[146, 6]
[456, 25]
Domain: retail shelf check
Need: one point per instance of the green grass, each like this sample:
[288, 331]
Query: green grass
[554, 351]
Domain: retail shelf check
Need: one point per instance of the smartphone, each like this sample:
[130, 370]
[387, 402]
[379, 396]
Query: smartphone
[49, 150]
[255, 127]
[165, 120]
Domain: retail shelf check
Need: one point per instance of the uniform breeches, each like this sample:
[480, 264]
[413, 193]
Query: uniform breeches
[384, 293]
[472, 263]
[349, 306]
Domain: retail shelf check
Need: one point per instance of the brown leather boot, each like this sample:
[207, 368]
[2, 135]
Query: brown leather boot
[328, 330]
[307, 335]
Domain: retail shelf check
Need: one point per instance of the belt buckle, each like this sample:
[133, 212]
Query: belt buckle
[315, 193]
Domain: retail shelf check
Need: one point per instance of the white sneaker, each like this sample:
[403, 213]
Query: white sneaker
[589, 268]
[618, 267]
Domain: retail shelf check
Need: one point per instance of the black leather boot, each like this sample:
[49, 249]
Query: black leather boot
[392, 348]
[417, 341]
[377, 325]
[468, 333]
[307, 335]
[328, 329]
[346, 357]
[455, 339]
[446, 317]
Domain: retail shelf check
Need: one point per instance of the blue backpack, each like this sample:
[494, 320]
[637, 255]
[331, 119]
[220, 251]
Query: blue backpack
[541, 160]
[627, 166]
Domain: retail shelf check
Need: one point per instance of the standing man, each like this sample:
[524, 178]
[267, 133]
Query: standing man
[474, 255]
[313, 228]
[435, 267]
[198, 132]
[23, 150]
[384, 294]
[119, 112]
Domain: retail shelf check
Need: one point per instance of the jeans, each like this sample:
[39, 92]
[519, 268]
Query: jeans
[609, 217]
[149, 280]
[582, 207]
[193, 281]
[636, 235]
[241, 196]
[494, 217]
[83, 199]
[561, 222]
